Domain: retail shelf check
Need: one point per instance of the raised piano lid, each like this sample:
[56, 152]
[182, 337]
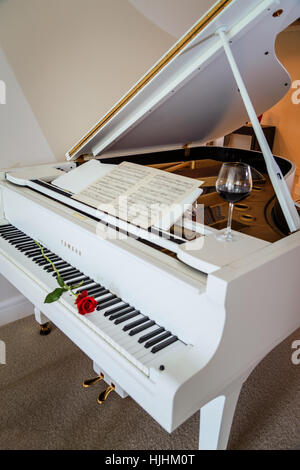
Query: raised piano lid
[190, 94]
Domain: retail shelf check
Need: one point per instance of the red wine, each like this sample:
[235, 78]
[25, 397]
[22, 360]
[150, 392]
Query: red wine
[232, 196]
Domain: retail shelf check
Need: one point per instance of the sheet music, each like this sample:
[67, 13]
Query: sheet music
[138, 194]
[76, 180]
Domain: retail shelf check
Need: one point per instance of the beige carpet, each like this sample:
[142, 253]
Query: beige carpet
[43, 405]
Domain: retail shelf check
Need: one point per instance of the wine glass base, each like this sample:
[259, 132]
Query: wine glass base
[226, 237]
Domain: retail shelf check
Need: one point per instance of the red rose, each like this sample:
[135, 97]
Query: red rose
[85, 304]
[83, 294]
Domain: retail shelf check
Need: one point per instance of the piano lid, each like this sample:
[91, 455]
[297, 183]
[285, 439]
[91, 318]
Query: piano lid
[190, 94]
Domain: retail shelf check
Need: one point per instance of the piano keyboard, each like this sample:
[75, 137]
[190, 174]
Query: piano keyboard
[132, 333]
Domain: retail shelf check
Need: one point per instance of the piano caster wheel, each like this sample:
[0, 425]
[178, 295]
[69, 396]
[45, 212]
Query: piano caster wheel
[45, 329]
[88, 383]
[103, 396]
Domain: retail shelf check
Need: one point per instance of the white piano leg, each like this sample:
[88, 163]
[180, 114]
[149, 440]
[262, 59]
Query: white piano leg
[216, 418]
[43, 322]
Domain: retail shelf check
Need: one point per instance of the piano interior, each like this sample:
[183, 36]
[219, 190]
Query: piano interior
[259, 215]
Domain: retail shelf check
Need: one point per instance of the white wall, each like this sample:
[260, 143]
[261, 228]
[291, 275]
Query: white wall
[21, 138]
[75, 58]
[21, 142]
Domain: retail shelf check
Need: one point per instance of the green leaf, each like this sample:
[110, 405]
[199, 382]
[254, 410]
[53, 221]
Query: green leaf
[53, 296]
[60, 281]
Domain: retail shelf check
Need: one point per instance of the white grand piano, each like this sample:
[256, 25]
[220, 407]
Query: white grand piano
[176, 329]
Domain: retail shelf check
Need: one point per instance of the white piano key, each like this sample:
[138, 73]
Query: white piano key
[149, 358]
[116, 330]
[118, 334]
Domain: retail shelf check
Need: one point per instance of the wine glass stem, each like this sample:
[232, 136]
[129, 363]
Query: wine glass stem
[228, 230]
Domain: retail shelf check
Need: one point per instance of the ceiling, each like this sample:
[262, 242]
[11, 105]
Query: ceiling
[173, 16]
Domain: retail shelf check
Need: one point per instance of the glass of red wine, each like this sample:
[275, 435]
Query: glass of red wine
[234, 184]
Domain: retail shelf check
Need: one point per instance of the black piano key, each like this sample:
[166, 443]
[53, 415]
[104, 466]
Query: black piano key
[91, 290]
[45, 261]
[26, 244]
[115, 310]
[5, 227]
[70, 270]
[40, 257]
[20, 237]
[94, 289]
[49, 269]
[75, 275]
[23, 248]
[58, 266]
[144, 326]
[14, 240]
[28, 249]
[164, 344]
[151, 335]
[83, 286]
[119, 314]
[12, 235]
[75, 279]
[157, 339]
[35, 256]
[12, 228]
[15, 233]
[65, 266]
[51, 256]
[133, 324]
[9, 231]
[127, 317]
[110, 297]
[114, 300]
[69, 276]
[86, 283]
[41, 261]
[101, 294]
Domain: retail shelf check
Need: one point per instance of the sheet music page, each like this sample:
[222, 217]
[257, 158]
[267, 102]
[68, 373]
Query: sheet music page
[79, 178]
[138, 194]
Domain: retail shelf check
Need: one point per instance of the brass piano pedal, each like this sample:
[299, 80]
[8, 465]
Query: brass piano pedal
[104, 395]
[45, 329]
[88, 383]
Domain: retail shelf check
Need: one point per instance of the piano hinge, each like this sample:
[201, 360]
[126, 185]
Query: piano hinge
[84, 158]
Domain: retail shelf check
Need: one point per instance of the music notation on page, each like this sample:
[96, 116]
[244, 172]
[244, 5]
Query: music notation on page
[140, 195]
